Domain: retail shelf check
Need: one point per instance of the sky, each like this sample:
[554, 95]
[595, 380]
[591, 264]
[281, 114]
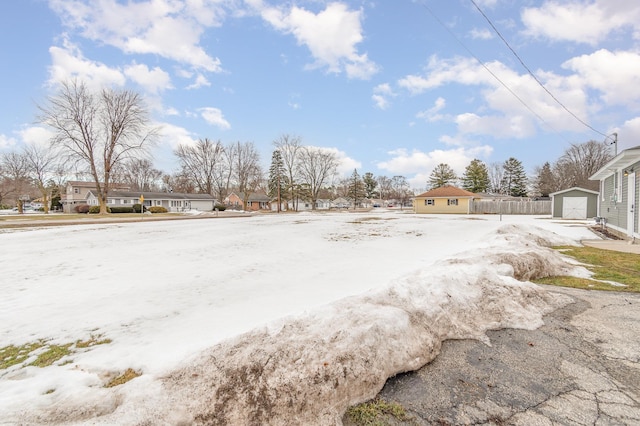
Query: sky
[393, 88]
[192, 304]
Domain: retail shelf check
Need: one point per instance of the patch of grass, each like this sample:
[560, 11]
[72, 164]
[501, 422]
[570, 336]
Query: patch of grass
[123, 378]
[94, 340]
[52, 354]
[46, 354]
[607, 265]
[12, 355]
[376, 413]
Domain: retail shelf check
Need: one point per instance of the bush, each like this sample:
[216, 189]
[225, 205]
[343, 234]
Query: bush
[96, 209]
[82, 208]
[122, 210]
[137, 207]
[220, 207]
[157, 209]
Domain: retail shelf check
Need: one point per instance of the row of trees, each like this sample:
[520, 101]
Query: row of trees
[573, 168]
[107, 135]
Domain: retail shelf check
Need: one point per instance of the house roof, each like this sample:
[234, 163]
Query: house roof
[575, 188]
[159, 195]
[447, 191]
[619, 162]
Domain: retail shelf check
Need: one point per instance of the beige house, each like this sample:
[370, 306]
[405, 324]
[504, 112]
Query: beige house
[76, 193]
[446, 199]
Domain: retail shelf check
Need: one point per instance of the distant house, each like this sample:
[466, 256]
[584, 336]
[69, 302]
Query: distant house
[255, 202]
[76, 193]
[574, 203]
[620, 192]
[341, 203]
[172, 201]
[446, 199]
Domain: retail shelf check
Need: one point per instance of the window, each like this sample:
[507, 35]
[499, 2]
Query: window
[429, 202]
[452, 202]
[76, 190]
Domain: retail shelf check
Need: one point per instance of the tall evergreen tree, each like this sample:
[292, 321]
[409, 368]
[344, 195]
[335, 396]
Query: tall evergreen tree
[277, 184]
[356, 188]
[514, 179]
[544, 182]
[476, 177]
[370, 184]
[442, 175]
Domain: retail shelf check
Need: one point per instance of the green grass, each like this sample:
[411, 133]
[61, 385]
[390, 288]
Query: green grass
[376, 412]
[46, 354]
[607, 265]
[123, 378]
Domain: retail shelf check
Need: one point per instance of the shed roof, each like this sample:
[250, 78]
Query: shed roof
[447, 191]
[575, 188]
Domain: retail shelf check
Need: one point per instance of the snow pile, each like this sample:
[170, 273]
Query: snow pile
[296, 367]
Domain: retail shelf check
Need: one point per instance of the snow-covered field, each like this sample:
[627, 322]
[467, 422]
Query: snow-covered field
[264, 319]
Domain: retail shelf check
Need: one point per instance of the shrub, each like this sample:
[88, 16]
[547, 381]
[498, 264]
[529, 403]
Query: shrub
[121, 209]
[220, 207]
[137, 207]
[157, 209]
[96, 209]
[82, 208]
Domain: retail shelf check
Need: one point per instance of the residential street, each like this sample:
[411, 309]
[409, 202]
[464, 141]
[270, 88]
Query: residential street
[581, 368]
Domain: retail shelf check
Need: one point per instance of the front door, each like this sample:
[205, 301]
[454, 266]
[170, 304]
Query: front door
[631, 203]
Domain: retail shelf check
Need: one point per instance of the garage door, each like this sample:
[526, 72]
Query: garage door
[574, 208]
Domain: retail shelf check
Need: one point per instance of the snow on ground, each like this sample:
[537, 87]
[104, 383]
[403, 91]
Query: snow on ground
[264, 319]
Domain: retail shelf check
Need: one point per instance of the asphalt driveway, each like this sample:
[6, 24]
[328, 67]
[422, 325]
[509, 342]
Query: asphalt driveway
[581, 368]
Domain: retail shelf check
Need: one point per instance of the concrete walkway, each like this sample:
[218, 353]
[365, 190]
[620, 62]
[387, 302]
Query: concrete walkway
[618, 245]
[581, 368]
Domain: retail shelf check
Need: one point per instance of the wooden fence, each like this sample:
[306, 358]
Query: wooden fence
[511, 207]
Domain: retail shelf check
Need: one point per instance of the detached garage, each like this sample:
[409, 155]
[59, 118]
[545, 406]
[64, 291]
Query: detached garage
[575, 203]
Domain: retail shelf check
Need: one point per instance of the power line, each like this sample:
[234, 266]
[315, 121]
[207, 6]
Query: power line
[488, 70]
[531, 72]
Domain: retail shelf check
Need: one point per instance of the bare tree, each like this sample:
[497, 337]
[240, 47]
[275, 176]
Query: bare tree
[140, 175]
[385, 187]
[401, 189]
[15, 171]
[496, 174]
[245, 168]
[289, 147]
[98, 130]
[200, 162]
[579, 162]
[41, 165]
[316, 166]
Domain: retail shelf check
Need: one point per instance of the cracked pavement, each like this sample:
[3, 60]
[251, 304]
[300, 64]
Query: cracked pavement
[581, 368]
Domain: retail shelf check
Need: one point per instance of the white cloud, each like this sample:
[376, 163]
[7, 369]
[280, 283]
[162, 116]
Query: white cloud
[381, 94]
[170, 29]
[346, 164]
[628, 134]
[331, 36]
[36, 135]
[200, 81]
[174, 136]
[614, 74]
[481, 33]
[68, 62]
[417, 165]
[582, 22]
[214, 117]
[432, 114]
[152, 80]
[6, 142]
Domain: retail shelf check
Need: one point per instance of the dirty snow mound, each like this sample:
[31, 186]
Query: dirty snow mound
[310, 368]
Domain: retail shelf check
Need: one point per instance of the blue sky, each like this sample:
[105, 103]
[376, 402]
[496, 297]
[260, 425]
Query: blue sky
[393, 87]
